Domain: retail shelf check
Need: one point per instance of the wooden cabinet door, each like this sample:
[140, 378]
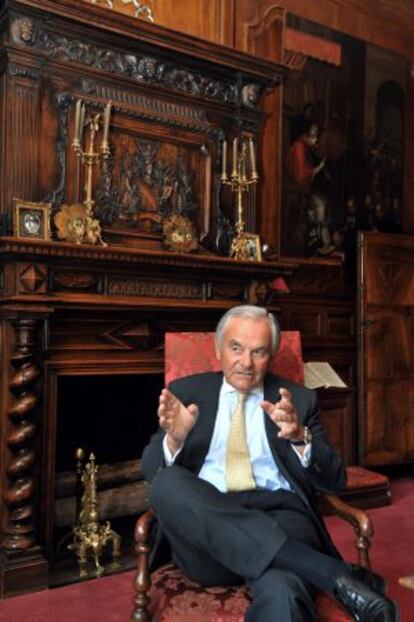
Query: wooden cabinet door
[386, 348]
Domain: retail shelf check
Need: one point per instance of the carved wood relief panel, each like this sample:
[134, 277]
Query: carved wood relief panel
[170, 113]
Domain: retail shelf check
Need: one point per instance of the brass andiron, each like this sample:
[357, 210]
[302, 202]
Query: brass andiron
[89, 536]
[90, 232]
[243, 176]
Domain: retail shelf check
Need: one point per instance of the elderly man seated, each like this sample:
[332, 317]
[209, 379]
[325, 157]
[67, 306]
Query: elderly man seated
[234, 472]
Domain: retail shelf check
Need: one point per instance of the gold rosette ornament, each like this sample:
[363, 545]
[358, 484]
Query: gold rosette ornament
[180, 234]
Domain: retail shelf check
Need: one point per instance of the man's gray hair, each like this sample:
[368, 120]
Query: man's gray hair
[250, 311]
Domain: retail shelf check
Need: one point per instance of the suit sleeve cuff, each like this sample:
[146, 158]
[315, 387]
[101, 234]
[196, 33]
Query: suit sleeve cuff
[168, 456]
[306, 456]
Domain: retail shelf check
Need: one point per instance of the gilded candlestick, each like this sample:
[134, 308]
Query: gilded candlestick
[90, 232]
[243, 176]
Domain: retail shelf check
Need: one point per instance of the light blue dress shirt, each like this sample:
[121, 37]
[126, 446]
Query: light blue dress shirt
[265, 471]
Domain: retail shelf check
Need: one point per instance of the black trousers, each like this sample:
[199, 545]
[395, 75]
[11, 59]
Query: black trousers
[230, 538]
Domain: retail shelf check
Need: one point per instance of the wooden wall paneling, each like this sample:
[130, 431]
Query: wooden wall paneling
[259, 31]
[338, 419]
[21, 107]
[227, 22]
[386, 346]
[408, 216]
[3, 151]
[195, 18]
[207, 19]
[389, 24]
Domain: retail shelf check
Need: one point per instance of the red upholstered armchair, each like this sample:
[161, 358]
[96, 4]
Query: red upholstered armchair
[167, 595]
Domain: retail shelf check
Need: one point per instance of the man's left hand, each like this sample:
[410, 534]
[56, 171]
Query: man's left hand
[284, 414]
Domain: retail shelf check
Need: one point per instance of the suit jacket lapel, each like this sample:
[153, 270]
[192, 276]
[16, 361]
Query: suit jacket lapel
[198, 441]
[281, 450]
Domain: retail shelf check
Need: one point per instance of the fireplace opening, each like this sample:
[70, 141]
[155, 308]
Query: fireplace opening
[112, 416]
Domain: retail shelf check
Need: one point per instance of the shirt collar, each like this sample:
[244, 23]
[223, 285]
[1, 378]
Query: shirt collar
[227, 389]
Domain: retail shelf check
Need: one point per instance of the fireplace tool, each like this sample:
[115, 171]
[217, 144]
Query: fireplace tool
[89, 536]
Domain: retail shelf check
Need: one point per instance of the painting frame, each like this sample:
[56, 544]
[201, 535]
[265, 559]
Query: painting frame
[31, 220]
[254, 246]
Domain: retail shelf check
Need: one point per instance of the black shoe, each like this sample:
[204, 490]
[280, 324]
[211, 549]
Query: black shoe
[371, 579]
[364, 603]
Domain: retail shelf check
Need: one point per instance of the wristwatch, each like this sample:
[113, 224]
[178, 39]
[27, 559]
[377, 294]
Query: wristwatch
[307, 438]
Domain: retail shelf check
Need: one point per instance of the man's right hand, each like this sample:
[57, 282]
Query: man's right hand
[176, 419]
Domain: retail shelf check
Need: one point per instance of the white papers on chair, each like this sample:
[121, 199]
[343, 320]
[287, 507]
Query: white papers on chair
[321, 375]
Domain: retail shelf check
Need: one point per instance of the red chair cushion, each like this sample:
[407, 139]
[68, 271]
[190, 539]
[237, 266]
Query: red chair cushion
[358, 477]
[192, 353]
[174, 598]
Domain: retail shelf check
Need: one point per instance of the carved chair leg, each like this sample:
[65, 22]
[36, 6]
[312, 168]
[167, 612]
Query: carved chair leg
[140, 612]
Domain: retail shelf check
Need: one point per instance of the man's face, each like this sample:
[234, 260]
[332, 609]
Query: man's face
[311, 138]
[245, 352]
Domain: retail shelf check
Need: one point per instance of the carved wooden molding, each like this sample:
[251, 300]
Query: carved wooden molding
[75, 281]
[194, 118]
[141, 68]
[120, 255]
[263, 36]
[18, 71]
[127, 32]
[61, 103]
[157, 288]
[134, 336]
[32, 278]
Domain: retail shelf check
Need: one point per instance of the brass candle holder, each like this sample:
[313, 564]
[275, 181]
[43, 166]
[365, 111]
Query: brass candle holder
[243, 176]
[90, 229]
[89, 536]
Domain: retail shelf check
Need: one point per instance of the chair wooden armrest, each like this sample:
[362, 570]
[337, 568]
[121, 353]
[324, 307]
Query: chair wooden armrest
[142, 577]
[360, 521]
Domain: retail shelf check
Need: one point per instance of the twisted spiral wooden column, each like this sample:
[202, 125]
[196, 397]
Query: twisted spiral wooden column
[19, 525]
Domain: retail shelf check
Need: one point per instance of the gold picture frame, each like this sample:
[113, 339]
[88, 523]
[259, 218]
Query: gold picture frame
[254, 246]
[31, 220]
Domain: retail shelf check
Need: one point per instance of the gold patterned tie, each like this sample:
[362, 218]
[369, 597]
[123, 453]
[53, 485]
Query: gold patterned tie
[239, 474]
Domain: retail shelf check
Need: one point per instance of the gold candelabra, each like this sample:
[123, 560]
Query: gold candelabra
[89, 227]
[89, 536]
[243, 176]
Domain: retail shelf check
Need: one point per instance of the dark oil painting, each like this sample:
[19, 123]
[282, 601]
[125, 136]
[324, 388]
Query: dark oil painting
[343, 145]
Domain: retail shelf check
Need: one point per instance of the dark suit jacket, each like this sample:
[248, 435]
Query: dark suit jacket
[325, 473]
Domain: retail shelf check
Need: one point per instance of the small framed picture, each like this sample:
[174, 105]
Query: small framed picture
[31, 220]
[254, 247]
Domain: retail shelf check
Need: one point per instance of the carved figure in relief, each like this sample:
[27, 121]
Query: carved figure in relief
[151, 188]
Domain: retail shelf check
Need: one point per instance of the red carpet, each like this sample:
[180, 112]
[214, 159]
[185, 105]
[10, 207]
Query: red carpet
[392, 552]
[109, 599]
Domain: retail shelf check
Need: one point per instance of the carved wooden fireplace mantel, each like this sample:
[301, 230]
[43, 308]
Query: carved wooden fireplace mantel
[59, 273]
[69, 310]
[85, 310]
